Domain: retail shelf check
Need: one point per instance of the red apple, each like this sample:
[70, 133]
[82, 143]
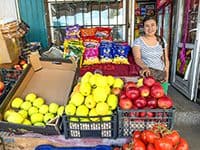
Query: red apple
[132, 93]
[165, 102]
[151, 102]
[125, 103]
[157, 91]
[122, 95]
[140, 102]
[142, 114]
[144, 91]
[149, 81]
[116, 91]
[129, 84]
[1, 86]
[134, 113]
[17, 67]
[22, 62]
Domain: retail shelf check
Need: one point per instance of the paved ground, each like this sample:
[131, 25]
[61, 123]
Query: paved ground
[187, 118]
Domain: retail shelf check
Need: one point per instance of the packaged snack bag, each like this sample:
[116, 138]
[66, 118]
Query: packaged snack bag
[103, 33]
[72, 32]
[85, 32]
[90, 56]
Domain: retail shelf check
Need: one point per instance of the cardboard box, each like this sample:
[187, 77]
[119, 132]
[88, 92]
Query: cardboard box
[53, 82]
[9, 49]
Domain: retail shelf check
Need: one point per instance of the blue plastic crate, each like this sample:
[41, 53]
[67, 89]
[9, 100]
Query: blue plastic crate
[50, 147]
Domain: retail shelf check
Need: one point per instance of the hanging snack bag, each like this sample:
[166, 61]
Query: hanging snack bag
[85, 32]
[103, 33]
[72, 32]
[121, 53]
[106, 52]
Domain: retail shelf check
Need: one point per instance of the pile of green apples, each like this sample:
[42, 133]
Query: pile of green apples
[93, 97]
[32, 111]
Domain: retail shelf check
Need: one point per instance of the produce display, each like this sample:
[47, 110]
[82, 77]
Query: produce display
[159, 137]
[32, 110]
[146, 93]
[91, 111]
[143, 104]
[94, 95]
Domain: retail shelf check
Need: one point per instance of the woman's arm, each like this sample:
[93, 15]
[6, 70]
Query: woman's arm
[166, 63]
[138, 60]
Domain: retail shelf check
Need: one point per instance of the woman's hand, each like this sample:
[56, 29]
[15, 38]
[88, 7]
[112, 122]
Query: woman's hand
[145, 72]
[166, 74]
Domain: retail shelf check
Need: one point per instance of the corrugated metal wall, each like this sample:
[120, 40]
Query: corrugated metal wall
[33, 13]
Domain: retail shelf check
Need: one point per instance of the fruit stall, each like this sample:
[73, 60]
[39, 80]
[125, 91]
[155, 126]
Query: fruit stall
[91, 97]
[81, 96]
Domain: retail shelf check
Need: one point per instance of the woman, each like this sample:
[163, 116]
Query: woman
[150, 51]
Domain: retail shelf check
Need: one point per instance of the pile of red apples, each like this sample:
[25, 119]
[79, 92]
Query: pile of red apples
[148, 95]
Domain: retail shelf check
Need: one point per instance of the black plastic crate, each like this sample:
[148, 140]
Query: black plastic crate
[131, 120]
[100, 129]
[10, 75]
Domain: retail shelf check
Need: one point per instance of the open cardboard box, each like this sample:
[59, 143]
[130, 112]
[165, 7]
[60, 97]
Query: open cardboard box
[53, 82]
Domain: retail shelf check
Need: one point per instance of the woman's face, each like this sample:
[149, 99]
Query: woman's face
[150, 27]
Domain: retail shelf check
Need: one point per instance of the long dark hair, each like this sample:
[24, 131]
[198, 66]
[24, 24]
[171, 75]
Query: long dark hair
[158, 37]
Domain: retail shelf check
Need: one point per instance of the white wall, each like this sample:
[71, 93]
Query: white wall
[8, 9]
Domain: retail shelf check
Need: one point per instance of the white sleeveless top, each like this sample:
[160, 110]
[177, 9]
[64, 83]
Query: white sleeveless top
[151, 55]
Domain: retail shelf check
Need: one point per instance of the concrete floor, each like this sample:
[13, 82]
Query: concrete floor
[187, 118]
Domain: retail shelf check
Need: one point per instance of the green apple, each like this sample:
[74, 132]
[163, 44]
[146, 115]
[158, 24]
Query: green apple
[82, 110]
[93, 113]
[48, 116]
[26, 105]
[90, 102]
[93, 80]
[84, 120]
[53, 107]
[108, 118]
[112, 101]
[70, 109]
[77, 99]
[15, 117]
[44, 109]
[102, 108]
[23, 113]
[38, 102]
[85, 78]
[30, 97]
[101, 81]
[7, 113]
[60, 110]
[32, 110]
[24, 66]
[39, 124]
[37, 117]
[108, 90]
[73, 119]
[110, 80]
[99, 94]
[119, 83]
[85, 89]
[16, 103]
[27, 122]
